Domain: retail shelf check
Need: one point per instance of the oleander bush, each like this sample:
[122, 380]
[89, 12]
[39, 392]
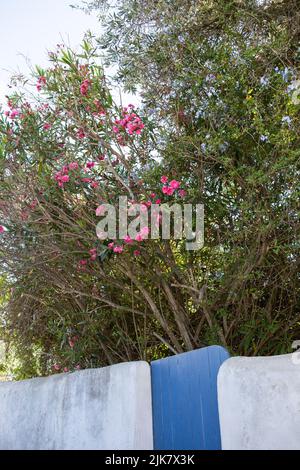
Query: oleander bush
[218, 125]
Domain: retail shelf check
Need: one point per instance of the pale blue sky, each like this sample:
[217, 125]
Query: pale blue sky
[31, 27]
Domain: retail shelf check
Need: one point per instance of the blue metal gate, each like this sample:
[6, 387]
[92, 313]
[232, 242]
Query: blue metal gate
[184, 397]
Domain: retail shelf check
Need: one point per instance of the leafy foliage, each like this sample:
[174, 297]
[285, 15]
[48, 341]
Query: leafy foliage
[218, 83]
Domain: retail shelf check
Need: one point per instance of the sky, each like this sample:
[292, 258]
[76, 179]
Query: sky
[30, 28]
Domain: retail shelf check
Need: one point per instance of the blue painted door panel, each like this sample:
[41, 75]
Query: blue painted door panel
[184, 400]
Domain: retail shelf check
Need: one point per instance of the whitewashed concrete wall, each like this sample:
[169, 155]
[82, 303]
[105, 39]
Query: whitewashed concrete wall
[107, 408]
[259, 403]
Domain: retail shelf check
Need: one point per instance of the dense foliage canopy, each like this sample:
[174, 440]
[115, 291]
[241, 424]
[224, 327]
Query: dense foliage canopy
[220, 115]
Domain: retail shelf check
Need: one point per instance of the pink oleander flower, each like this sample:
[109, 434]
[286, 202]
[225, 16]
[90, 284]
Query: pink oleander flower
[82, 262]
[56, 367]
[90, 165]
[168, 190]
[118, 249]
[127, 239]
[66, 369]
[2, 229]
[174, 184]
[164, 179]
[93, 254]
[136, 252]
[65, 179]
[131, 123]
[101, 158]
[100, 210]
[111, 245]
[14, 113]
[139, 237]
[84, 87]
[86, 180]
[95, 184]
[47, 126]
[80, 134]
[41, 83]
[152, 195]
[158, 201]
[182, 193]
[73, 166]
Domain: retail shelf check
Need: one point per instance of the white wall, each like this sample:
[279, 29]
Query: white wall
[108, 408]
[259, 403]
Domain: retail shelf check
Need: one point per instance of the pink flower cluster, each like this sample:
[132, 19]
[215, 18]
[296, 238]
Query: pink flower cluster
[169, 189]
[130, 122]
[84, 87]
[93, 254]
[41, 83]
[13, 113]
[73, 166]
[1, 229]
[62, 176]
[83, 262]
[142, 235]
[118, 249]
[153, 196]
